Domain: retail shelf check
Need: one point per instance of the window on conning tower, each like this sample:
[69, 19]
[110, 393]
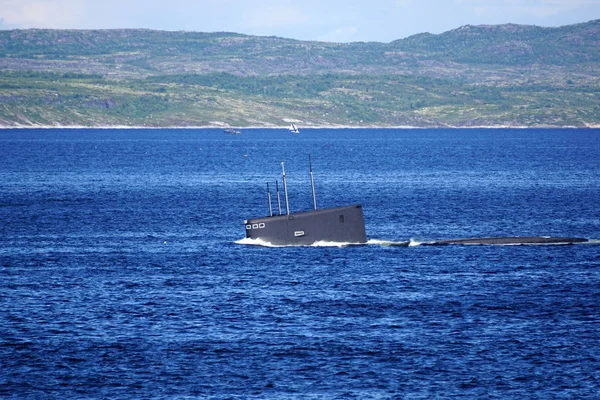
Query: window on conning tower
[341, 219]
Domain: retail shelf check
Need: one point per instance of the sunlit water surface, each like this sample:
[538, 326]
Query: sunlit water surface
[124, 272]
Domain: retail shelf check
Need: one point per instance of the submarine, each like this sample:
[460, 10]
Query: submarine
[343, 224]
[346, 225]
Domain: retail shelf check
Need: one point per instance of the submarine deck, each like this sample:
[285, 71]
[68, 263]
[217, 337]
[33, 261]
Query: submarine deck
[516, 240]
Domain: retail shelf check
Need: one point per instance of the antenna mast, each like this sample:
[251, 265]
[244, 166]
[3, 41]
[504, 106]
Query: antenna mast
[287, 203]
[312, 183]
[269, 197]
[278, 198]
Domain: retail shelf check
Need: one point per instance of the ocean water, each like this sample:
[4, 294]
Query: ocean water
[123, 273]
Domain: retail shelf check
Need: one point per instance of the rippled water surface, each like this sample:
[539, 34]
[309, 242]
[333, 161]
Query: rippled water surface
[122, 274]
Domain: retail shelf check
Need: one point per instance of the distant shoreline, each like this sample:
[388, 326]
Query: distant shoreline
[42, 127]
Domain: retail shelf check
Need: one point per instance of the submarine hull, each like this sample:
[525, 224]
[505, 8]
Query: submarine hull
[514, 240]
[340, 224]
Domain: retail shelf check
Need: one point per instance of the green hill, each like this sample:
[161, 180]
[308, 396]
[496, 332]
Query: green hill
[503, 75]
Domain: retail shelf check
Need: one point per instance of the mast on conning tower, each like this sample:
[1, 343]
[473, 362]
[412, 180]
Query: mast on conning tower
[269, 198]
[278, 198]
[287, 203]
[312, 183]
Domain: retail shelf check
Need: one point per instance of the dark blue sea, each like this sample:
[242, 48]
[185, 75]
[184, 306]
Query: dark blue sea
[123, 273]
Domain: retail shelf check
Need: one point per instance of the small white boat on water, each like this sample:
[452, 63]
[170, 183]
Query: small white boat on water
[294, 128]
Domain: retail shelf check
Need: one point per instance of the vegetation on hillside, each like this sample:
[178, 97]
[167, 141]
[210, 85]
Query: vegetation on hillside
[505, 75]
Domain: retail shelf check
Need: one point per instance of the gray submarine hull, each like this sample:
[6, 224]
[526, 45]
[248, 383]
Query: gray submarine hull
[510, 240]
[344, 224]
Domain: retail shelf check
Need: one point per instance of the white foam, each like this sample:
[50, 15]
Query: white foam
[414, 242]
[255, 242]
[322, 243]
[379, 242]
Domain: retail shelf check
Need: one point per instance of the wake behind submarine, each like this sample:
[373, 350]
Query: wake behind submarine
[346, 225]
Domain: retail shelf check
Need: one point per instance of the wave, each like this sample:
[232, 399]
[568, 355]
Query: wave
[592, 241]
[321, 243]
[255, 242]
[389, 243]
[408, 243]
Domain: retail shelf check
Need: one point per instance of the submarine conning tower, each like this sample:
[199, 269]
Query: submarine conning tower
[344, 224]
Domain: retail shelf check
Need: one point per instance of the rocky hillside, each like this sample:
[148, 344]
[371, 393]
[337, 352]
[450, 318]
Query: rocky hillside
[504, 75]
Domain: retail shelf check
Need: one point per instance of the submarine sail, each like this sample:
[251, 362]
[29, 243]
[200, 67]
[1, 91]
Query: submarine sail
[344, 224]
